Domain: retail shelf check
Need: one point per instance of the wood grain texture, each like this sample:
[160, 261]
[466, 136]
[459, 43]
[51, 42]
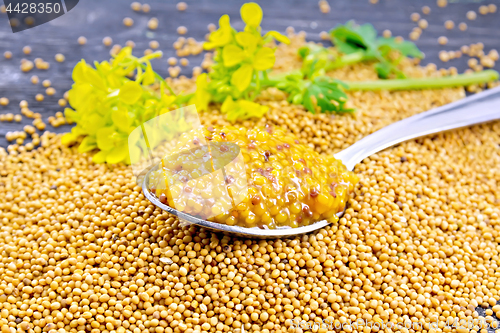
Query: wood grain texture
[96, 19]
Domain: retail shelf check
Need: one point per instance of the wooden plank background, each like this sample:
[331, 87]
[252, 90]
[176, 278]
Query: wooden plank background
[96, 19]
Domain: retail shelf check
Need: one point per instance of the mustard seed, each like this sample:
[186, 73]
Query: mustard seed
[27, 66]
[172, 61]
[442, 40]
[472, 62]
[324, 35]
[493, 54]
[136, 6]
[423, 24]
[197, 70]
[82, 40]
[443, 56]
[181, 6]
[128, 22]
[483, 10]
[50, 91]
[154, 44]
[324, 6]
[153, 23]
[414, 35]
[60, 57]
[107, 41]
[471, 15]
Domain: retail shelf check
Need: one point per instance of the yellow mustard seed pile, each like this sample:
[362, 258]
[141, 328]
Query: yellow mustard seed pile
[258, 177]
[82, 250]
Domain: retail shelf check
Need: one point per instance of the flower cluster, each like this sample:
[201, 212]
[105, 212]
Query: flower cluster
[241, 60]
[108, 105]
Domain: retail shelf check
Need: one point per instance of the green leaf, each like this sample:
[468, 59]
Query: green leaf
[350, 38]
[88, 144]
[406, 48]
[326, 95]
[130, 92]
[383, 69]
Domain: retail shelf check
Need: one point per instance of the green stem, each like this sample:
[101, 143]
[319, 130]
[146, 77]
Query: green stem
[158, 76]
[272, 80]
[425, 83]
[181, 99]
[346, 60]
[257, 86]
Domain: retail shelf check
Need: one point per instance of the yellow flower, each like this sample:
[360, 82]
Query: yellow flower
[261, 60]
[279, 37]
[251, 14]
[242, 77]
[242, 109]
[201, 97]
[222, 36]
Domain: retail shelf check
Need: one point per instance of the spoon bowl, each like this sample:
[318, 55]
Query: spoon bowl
[476, 109]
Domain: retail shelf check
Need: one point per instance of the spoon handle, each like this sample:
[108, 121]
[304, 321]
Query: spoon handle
[478, 108]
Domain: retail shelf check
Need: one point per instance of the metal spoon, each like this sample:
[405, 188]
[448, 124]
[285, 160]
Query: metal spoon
[478, 108]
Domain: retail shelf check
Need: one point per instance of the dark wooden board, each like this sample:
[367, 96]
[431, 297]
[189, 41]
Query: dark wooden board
[96, 19]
